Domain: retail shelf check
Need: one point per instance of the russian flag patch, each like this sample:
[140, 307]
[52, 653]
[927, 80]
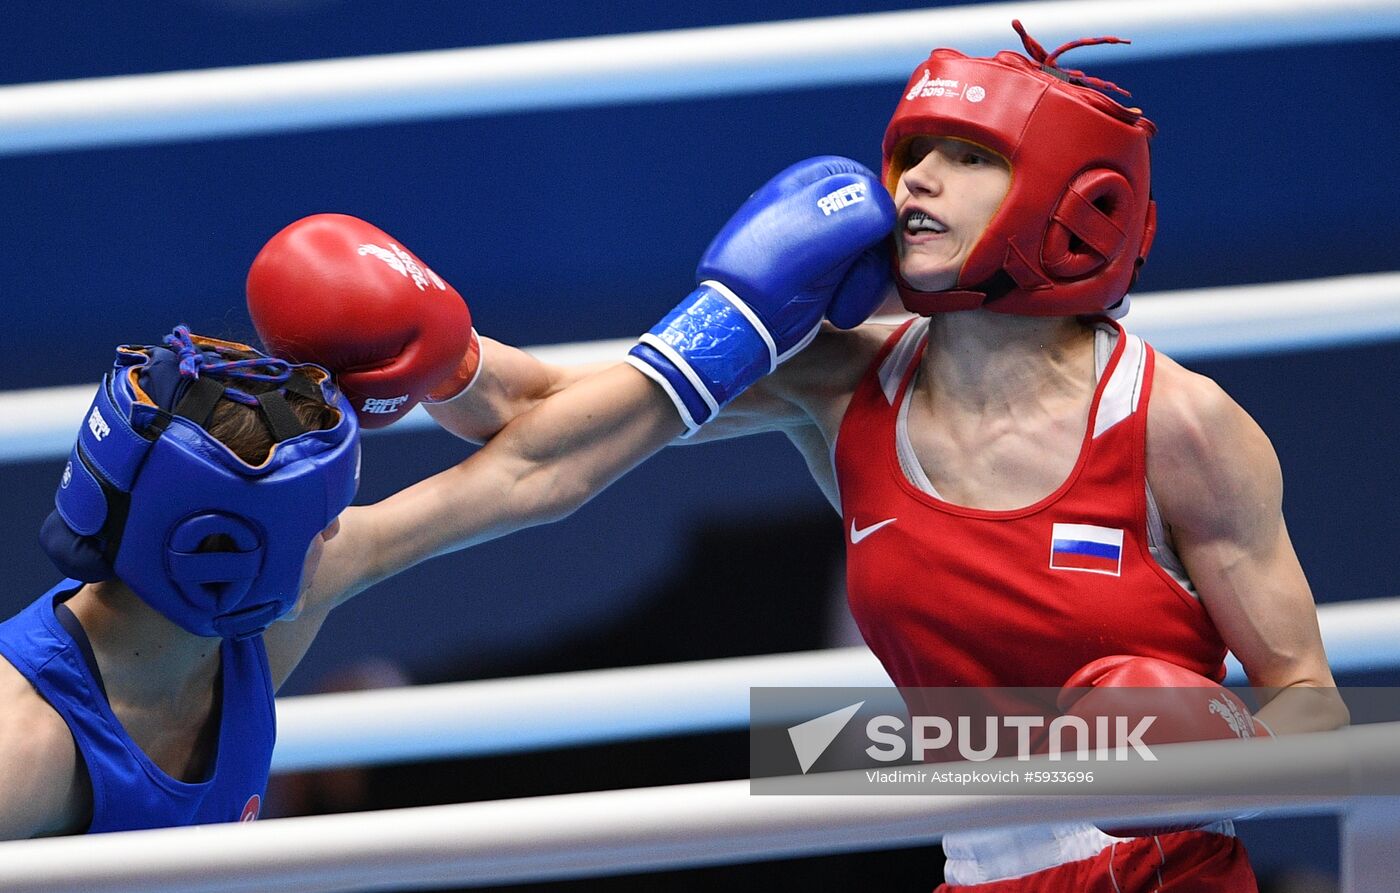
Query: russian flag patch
[1084, 547]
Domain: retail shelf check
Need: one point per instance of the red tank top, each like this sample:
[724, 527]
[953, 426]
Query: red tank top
[952, 596]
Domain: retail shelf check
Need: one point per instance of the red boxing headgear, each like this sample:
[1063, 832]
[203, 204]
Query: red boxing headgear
[1078, 219]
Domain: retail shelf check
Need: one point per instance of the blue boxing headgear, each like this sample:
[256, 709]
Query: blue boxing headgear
[146, 485]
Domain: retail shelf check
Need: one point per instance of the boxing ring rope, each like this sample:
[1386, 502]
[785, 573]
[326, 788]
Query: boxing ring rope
[682, 826]
[460, 719]
[676, 64]
[1189, 324]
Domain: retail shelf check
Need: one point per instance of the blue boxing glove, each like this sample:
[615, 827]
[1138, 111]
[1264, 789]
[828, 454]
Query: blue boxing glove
[803, 246]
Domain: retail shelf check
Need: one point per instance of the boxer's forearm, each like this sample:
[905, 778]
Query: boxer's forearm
[1304, 708]
[574, 444]
[510, 383]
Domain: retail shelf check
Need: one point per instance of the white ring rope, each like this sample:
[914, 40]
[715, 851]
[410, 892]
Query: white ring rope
[461, 719]
[614, 832]
[1189, 324]
[635, 67]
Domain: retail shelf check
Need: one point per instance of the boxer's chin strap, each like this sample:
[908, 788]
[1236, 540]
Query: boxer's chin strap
[927, 303]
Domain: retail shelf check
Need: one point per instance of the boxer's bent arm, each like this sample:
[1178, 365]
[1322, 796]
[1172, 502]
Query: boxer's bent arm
[1220, 490]
[510, 382]
[42, 790]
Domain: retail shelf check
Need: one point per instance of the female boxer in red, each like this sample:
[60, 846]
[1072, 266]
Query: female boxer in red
[1032, 496]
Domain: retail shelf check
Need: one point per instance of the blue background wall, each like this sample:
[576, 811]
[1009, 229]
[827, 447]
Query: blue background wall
[570, 225]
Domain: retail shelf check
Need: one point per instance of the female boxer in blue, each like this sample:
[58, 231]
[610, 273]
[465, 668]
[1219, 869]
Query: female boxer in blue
[202, 525]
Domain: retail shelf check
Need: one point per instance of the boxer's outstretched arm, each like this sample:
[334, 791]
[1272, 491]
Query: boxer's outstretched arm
[541, 467]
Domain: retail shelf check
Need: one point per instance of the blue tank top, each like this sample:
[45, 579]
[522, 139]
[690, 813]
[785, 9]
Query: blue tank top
[128, 790]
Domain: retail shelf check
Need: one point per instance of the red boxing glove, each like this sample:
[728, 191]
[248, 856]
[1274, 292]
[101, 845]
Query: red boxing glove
[335, 290]
[1186, 706]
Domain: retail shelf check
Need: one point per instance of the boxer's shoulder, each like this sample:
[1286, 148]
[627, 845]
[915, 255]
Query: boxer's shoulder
[1191, 417]
[1203, 450]
[39, 765]
[27, 720]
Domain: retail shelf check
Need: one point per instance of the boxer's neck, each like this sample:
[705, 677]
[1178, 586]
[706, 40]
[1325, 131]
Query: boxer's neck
[978, 361]
[143, 656]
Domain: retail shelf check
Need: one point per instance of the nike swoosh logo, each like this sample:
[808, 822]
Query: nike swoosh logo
[859, 533]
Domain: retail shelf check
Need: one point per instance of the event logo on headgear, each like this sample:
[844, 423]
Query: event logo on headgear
[1078, 219]
[146, 485]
